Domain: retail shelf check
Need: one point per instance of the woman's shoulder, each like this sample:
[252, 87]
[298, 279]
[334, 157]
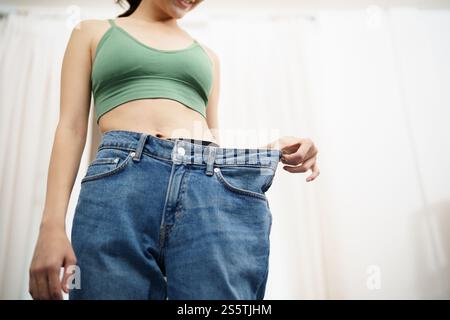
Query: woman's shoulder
[90, 27]
[214, 57]
[88, 32]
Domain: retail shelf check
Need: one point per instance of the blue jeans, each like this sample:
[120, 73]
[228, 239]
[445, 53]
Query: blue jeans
[171, 219]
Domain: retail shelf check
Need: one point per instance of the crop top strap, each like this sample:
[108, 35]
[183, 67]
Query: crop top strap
[111, 22]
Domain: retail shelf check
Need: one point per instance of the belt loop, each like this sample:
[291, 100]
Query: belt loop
[210, 160]
[140, 147]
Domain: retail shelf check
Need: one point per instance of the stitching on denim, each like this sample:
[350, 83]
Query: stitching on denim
[125, 148]
[268, 181]
[179, 206]
[239, 190]
[155, 156]
[103, 161]
[115, 146]
[266, 272]
[257, 166]
[120, 167]
[202, 165]
[162, 225]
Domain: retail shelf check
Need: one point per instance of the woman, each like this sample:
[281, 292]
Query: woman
[164, 212]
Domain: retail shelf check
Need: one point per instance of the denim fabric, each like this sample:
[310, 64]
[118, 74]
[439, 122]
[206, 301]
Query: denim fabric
[170, 219]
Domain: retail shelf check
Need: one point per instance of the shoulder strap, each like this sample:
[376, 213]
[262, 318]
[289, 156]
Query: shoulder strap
[111, 22]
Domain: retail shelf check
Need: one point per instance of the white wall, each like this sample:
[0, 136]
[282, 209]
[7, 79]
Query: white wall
[210, 9]
[235, 4]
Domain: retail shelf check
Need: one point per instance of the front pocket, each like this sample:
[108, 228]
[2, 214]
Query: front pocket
[108, 162]
[249, 181]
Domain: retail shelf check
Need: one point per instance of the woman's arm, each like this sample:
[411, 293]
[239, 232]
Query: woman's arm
[212, 109]
[53, 249]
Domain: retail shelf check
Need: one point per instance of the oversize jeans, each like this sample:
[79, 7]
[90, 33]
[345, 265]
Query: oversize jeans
[171, 219]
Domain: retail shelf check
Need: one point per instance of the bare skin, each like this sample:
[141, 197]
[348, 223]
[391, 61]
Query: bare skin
[163, 118]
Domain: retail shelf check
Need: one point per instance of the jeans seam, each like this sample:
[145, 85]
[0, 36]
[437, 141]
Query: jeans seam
[179, 207]
[192, 164]
[115, 147]
[267, 257]
[162, 226]
[265, 276]
[232, 188]
[156, 157]
[110, 160]
[117, 169]
[268, 181]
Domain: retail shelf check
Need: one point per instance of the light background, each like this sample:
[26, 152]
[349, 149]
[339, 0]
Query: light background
[367, 81]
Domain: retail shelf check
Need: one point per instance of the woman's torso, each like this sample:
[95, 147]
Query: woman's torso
[164, 118]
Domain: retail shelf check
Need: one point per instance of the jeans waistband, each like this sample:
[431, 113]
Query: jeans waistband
[183, 151]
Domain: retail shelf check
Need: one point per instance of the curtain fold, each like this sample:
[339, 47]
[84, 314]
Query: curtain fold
[31, 52]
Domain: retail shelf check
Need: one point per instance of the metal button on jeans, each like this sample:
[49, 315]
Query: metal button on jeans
[181, 151]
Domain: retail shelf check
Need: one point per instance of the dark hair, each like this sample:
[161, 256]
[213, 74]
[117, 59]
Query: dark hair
[132, 6]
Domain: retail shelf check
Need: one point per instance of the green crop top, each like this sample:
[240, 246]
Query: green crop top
[125, 69]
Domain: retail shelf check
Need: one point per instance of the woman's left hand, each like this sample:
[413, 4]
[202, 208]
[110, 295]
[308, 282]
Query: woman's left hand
[299, 155]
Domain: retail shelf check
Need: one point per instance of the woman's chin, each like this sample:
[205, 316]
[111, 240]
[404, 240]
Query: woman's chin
[179, 10]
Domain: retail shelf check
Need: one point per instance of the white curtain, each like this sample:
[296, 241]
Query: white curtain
[31, 51]
[368, 86]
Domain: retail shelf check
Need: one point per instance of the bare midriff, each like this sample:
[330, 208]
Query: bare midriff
[162, 118]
